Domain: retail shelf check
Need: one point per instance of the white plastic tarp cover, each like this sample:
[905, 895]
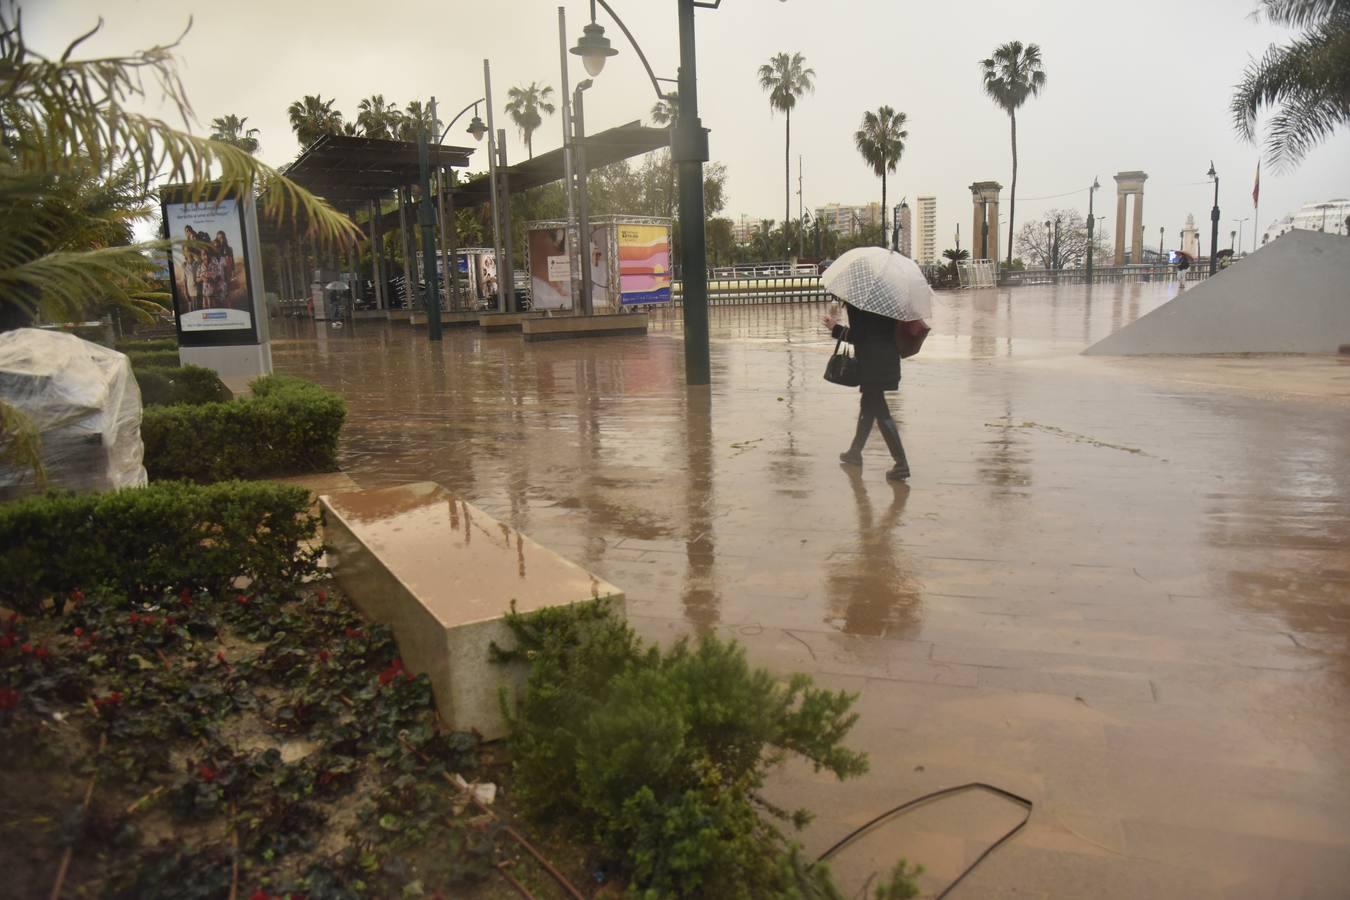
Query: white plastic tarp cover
[85, 404]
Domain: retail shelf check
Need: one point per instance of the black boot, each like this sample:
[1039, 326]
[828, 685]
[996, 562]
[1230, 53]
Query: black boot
[853, 455]
[900, 471]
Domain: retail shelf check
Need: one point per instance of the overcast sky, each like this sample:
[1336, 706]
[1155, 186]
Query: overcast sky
[1143, 85]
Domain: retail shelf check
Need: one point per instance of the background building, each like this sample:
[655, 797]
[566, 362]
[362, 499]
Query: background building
[1328, 216]
[847, 221]
[925, 240]
[744, 229]
[905, 221]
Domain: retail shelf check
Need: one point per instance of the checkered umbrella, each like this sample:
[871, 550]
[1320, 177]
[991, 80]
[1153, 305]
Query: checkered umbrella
[880, 281]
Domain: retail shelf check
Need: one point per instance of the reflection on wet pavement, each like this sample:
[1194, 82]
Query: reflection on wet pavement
[1117, 587]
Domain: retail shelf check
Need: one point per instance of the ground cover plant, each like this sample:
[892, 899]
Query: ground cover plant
[185, 740]
[288, 426]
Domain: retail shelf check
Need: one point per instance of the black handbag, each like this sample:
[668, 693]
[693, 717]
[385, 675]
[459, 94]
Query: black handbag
[842, 367]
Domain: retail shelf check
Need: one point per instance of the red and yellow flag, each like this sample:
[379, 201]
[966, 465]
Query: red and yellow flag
[1256, 189]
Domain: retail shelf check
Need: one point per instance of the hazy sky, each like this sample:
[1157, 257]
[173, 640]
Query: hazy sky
[1143, 85]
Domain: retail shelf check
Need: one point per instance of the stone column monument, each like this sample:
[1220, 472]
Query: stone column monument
[984, 199]
[1128, 183]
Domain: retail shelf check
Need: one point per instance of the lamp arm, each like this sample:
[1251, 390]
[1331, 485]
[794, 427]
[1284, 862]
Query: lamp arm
[457, 117]
[628, 34]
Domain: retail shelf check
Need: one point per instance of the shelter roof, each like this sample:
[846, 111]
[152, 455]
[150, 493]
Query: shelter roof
[348, 171]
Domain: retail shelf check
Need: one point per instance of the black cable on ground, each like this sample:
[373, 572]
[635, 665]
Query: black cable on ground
[927, 798]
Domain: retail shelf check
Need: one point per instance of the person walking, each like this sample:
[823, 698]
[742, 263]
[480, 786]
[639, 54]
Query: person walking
[887, 298]
[873, 339]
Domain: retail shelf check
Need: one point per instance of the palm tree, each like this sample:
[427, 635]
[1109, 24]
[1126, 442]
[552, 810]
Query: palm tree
[786, 78]
[1012, 75]
[413, 118]
[524, 106]
[881, 141]
[230, 130]
[666, 111]
[1308, 78]
[312, 117]
[378, 119]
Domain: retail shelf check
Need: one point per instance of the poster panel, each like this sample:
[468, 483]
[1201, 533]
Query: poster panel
[550, 269]
[209, 272]
[602, 276]
[644, 264]
[485, 277]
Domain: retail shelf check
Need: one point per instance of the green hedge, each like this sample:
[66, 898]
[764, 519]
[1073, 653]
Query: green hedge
[289, 426]
[162, 386]
[144, 541]
[145, 359]
[147, 345]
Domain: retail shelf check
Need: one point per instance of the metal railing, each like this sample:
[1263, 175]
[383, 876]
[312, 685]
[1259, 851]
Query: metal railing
[1102, 274]
[758, 290]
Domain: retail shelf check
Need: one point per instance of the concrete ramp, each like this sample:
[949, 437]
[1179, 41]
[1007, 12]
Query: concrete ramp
[1291, 296]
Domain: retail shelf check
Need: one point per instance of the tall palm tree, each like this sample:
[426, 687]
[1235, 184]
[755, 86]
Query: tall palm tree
[786, 78]
[666, 111]
[1012, 75]
[312, 117]
[1309, 78]
[414, 116]
[881, 141]
[378, 119]
[230, 130]
[525, 105]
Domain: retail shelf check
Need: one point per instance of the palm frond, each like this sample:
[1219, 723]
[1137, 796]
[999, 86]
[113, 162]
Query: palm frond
[21, 443]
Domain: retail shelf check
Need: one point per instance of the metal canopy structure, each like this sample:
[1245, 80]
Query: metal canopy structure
[621, 142]
[347, 171]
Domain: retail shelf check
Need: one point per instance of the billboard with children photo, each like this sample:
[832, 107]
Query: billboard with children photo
[209, 268]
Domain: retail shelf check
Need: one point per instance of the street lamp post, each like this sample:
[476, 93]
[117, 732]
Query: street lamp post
[1091, 192]
[689, 150]
[449, 252]
[492, 187]
[1049, 255]
[1214, 223]
[1161, 229]
[583, 199]
[426, 217]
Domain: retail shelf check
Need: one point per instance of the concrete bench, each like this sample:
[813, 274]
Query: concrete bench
[442, 574]
[448, 317]
[506, 321]
[584, 326]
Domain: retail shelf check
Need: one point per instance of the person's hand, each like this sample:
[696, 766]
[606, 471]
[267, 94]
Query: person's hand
[830, 320]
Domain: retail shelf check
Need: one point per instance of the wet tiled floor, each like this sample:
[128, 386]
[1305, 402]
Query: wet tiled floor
[1118, 587]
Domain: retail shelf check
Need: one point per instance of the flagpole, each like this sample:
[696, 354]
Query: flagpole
[1256, 203]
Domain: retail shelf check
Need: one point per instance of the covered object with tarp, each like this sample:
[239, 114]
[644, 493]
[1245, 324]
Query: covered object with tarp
[85, 406]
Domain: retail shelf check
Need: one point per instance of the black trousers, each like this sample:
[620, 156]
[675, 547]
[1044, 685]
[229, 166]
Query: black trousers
[874, 403]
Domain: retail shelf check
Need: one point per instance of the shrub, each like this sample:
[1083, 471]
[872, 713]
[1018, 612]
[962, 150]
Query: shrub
[143, 541]
[289, 426]
[143, 359]
[661, 756]
[193, 385]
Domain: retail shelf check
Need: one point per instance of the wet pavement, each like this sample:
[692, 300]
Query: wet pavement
[1120, 588]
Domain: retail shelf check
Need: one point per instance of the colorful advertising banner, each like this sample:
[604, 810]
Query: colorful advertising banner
[644, 264]
[550, 269]
[209, 271]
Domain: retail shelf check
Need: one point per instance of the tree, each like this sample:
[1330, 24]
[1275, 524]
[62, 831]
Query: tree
[1011, 75]
[378, 119]
[77, 168]
[1309, 79]
[881, 141]
[312, 117]
[1071, 250]
[786, 78]
[414, 117]
[230, 130]
[666, 112]
[950, 273]
[525, 105]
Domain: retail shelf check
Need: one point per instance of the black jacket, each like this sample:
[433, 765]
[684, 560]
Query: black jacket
[873, 340]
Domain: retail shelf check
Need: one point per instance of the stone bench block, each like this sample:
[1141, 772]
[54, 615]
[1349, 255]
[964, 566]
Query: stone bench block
[448, 317]
[506, 321]
[442, 574]
[584, 326]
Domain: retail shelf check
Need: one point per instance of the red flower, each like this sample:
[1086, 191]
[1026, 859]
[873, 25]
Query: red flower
[353, 632]
[77, 596]
[260, 894]
[220, 657]
[6, 641]
[79, 632]
[169, 621]
[323, 656]
[9, 698]
[208, 774]
[185, 594]
[112, 699]
[323, 596]
[26, 648]
[42, 653]
[133, 619]
[241, 600]
[395, 669]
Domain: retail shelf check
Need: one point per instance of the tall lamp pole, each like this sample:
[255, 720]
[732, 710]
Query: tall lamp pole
[583, 198]
[1091, 193]
[689, 150]
[426, 218]
[1214, 223]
